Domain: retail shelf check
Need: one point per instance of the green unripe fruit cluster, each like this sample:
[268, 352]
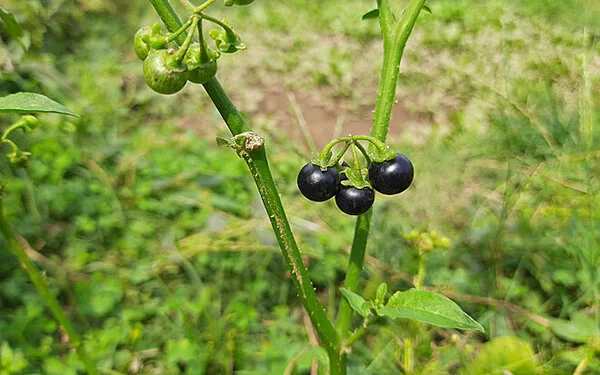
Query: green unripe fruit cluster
[167, 71]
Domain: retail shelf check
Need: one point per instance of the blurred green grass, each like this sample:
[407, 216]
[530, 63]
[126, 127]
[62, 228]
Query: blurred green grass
[157, 244]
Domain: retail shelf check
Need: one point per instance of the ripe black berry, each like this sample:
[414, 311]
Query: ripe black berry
[392, 176]
[317, 185]
[353, 201]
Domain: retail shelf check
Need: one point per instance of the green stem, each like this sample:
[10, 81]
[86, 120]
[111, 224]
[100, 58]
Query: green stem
[199, 9]
[360, 331]
[180, 31]
[395, 36]
[188, 5]
[335, 160]
[14, 126]
[225, 27]
[364, 152]
[187, 42]
[204, 57]
[420, 273]
[12, 144]
[169, 17]
[257, 162]
[355, 265]
[355, 157]
[408, 356]
[43, 289]
[259, 167]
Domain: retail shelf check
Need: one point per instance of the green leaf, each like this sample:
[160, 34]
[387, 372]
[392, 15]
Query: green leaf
[428, 307]
[12, 26]
[357, 303]
[371, 14]
[27, 102]
[427, 9]
[579, 329]
[380, 294]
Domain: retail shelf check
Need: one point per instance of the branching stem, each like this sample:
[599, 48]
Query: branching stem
[395, 35]
[258, 165]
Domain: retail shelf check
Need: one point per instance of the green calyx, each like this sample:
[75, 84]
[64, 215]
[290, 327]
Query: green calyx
[141, 42]
[379, 152]
[147, 39]
[227, 41]
[156, 39]
[356, 177]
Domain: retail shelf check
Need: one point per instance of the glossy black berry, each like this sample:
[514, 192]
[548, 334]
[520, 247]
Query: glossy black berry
[392, 176]
[318, 185]
[353, 201]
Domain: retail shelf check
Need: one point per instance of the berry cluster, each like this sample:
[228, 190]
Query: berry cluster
[167, 68]
[390, 176]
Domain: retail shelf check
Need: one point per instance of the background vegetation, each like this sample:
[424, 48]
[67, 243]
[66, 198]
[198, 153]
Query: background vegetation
[156, 242]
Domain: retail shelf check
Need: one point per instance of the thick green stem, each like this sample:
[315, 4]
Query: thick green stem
[355, 265]
[395, 36]
[43, 289]
[257, 162]
[259, 167]
[169, 17]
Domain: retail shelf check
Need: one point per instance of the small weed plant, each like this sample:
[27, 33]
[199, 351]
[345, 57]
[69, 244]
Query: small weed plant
[167, 68]
[185, 49]
[350, 168]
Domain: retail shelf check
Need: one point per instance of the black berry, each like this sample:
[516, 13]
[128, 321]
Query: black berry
[392, 176]
[318, 185]
[353, 201]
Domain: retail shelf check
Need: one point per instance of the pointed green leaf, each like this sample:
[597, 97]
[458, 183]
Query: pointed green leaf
[357, 303]
[427, 9]
[12, 26]
[371, 14]
[428, 307]
[27, 102]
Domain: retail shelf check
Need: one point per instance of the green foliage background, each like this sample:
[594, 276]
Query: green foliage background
[158, 247]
